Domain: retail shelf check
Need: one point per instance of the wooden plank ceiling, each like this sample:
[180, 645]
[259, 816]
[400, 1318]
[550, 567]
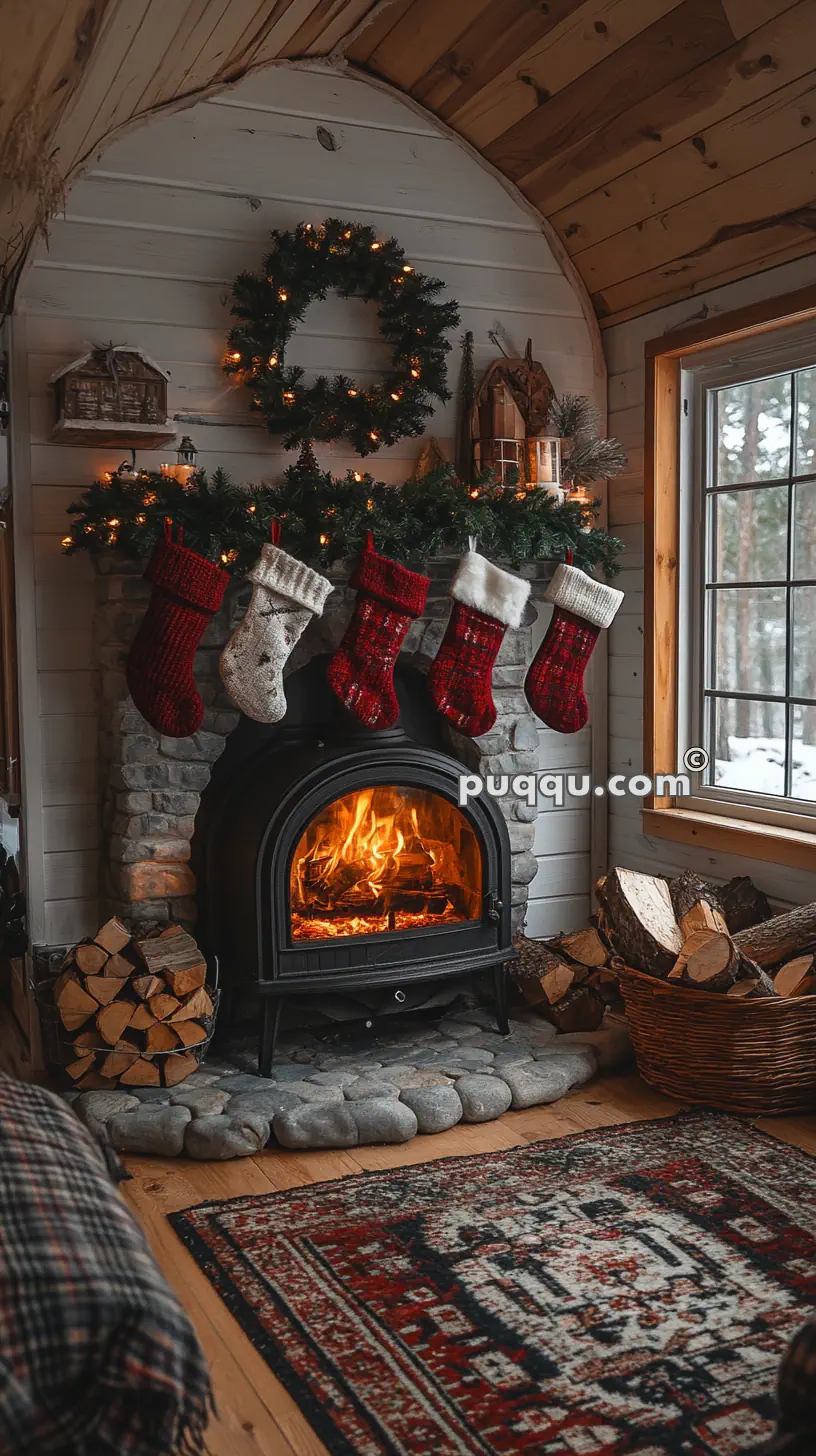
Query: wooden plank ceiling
[670, 145]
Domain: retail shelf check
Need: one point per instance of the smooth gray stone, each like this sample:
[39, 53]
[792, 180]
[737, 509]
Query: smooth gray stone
[435, 1108]
[456, 1069]
[383, 1120]
[156, 1130]
[511, 1059]
[303, 1056]
[611, 1044]
[309, 1093]
[202, 1101]
[94, 1108]
[467, 1056]
[290, 1073]
[423, 1078]
[244, 1061]
[203, 1078]
[485, 1019]
[70, 1096]
[244, 1082]
[265, 1104]
[401, 1066]
[159, 1096]
[227, 1136]
[331, 1079]
[530, 1089]
[219, 1066]
[489, 1041]
[483, 1098]
[425, 1058]
[364, 1087]
[579, 1063]
[316, 1127]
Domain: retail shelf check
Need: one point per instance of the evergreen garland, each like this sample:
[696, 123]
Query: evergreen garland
[305, 264]
[324, 518]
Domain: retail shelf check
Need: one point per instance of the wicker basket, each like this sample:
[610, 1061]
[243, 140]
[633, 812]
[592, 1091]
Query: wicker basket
[743, 1056]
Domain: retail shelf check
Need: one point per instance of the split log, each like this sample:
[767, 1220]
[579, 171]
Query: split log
[90, 958]
[113, 1020]
[142, 1019]
[73, 1002]
[796, 978]
[163, 1006]
[714, 965]
[190, 1033]
[586, 947]
[755, 984]
[638, 911]
[161, 1038]
[197, 1004]
[175, 956]
[141, 1073]
[743, 904]
[177, 1067]
[87, 1040]
[77, 1069]
[119, 1060]
[696, 904]
[119, 965]
[113, 936]
[93, 1082]
[582, 1009]
[692, 943]
[780, 939]
[104, 989]
[147, 986]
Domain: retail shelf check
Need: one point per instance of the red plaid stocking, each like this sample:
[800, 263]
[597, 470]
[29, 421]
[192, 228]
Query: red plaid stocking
[555, 683]
[486, 601]
[187, 590]
[361, 672]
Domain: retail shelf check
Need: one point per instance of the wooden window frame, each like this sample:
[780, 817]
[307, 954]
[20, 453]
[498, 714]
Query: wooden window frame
[662, 481]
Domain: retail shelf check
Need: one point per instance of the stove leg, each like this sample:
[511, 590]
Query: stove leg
[270, 1021]
[500, 997]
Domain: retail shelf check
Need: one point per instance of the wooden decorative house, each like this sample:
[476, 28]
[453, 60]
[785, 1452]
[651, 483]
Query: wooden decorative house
[113, 395]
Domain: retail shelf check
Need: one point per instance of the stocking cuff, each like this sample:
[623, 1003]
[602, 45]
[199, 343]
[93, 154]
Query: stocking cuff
[394, 585]
[499, 594]
[580, 594]
[284, 574]
[187, 575]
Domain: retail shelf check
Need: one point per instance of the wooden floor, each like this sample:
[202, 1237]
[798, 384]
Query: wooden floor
[255, 1414]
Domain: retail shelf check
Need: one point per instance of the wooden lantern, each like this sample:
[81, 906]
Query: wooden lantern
[113, 395]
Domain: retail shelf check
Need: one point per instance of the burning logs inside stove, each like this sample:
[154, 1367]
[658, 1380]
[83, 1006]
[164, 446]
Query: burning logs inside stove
[131, 1011]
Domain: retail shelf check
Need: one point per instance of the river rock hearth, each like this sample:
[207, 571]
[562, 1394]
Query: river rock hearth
[346, 1093]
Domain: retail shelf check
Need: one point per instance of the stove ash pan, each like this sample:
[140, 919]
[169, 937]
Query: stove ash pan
[338, 866]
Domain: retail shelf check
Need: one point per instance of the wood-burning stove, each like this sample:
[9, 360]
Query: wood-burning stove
[332, 858]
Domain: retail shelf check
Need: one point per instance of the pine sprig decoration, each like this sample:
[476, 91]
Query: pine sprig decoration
[324, 519]
[305, 264]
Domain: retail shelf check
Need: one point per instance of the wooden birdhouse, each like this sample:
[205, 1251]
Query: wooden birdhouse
[113, 395]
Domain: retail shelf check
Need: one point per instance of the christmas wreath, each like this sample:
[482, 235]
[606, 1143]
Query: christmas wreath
[305, 264]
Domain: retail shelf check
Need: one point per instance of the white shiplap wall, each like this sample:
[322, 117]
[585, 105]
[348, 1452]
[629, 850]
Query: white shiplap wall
[151, 239]
[624, 348]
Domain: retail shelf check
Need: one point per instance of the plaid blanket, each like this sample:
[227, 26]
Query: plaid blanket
[96, 1354]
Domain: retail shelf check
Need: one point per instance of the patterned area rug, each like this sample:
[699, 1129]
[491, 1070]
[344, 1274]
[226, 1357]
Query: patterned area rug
[629, 1290]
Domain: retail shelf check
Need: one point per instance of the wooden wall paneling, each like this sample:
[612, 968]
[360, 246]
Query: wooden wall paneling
[715, 90]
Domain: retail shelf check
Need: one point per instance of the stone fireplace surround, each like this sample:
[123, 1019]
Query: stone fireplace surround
[151, 784]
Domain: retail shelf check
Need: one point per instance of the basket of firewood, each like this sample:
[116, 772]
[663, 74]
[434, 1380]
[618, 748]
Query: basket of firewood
[128, 1011]
[720, 994]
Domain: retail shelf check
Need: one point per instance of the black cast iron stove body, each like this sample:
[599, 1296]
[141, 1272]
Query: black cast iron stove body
[270, 784]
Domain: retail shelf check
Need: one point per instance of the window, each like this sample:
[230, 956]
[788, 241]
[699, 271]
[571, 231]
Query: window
[752, 465]
[730, 579]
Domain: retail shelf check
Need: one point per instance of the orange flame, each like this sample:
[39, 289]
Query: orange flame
[384, 858]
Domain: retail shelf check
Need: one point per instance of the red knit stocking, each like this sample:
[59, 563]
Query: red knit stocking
[555, 683]
[187, 590]
[361, 671]
[486, 601]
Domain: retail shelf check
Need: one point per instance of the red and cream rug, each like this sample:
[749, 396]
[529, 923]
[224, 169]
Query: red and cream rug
[624, 1291]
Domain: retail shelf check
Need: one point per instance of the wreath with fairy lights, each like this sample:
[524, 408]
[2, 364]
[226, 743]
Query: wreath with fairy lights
[306, 264]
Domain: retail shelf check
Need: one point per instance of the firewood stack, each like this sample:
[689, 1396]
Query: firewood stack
[570, 980]
[134, 1009]
[722, 940]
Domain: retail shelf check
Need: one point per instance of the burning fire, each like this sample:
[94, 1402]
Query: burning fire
[384, 858]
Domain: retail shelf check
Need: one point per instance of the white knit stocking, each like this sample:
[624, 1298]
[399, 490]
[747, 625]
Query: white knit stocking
[286, 594]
